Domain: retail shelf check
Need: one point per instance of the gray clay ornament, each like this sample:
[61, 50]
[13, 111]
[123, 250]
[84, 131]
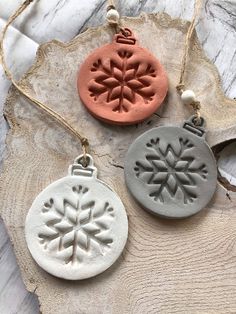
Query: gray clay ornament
[171, 171]
[77, 227]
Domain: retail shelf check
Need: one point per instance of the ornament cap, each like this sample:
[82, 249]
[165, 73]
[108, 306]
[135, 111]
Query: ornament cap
[197, 129]
[125, 36]
[77, 169]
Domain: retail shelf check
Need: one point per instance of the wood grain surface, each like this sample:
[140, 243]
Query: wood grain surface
[186, 266]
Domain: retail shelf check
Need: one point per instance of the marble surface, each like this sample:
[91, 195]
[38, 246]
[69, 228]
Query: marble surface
[63, 19]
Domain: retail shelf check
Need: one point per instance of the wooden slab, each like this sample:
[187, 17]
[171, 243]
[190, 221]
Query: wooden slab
[186, 266]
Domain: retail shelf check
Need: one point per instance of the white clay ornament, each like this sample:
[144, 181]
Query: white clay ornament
[77, 227]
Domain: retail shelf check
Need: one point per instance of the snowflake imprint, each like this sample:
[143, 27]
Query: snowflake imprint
[80, 225]
[122, 81]
[171, 169]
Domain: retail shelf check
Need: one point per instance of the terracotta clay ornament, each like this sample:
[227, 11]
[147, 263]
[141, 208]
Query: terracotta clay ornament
[122, 83]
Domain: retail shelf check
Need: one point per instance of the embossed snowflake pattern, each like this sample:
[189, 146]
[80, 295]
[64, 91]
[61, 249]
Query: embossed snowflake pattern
[120, 81]
[78, 227]
[171, 169]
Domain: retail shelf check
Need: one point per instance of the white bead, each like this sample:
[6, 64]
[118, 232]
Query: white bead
[188, 97]
[112, 16]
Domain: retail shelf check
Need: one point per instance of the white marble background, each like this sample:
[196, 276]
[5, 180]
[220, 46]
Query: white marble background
[63, 19]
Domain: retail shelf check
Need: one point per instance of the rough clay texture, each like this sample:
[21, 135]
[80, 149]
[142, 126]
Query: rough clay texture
[121, 82]
[171, 172]
[77, 227]
[167, 266]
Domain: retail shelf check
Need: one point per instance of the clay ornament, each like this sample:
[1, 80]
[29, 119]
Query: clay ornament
[171, 171]
[77, 227]
[122, 83]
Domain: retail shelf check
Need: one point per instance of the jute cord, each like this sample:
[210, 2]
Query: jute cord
[196, 105]
[56, 116]
[116, 26]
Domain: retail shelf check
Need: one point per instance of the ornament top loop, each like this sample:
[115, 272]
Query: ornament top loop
[195, 125]
[78, 168]
[125, 36]
[89, 159]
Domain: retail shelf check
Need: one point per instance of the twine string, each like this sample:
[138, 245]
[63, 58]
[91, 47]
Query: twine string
[110, 5]
[187, 44]
[196, 105]
[44, 107]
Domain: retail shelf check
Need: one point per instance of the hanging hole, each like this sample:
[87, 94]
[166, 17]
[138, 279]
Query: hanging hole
[125, 32]
[198, 121]
[84, 160]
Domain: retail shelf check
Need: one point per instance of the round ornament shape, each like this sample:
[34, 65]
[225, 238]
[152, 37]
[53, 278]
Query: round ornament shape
[122, 83]
[171, 171]
[77, 227]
